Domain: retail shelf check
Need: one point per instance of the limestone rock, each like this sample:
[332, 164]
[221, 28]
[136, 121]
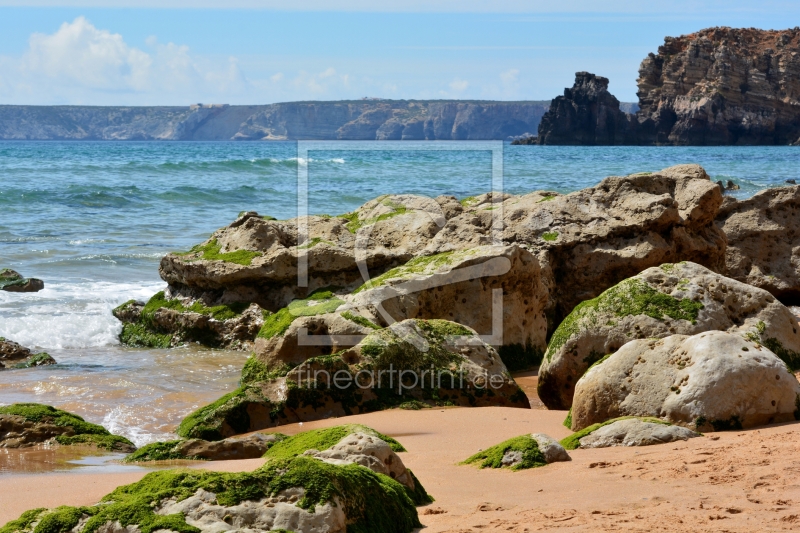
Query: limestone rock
[163, 322]
[28, 424]
[247, 447]
[587, 114]
[442, 363]
[683, 298]
[464, 287]
[552, 450]
[594, 238]
[13, 281]
[368, 451]
[635, 432]
[713, 380]
[721, 86]
[13, 355]
[764, 240]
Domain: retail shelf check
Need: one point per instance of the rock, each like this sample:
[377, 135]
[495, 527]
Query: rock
[163, 322]
[462, 287]
[710, 381]
[299, 494]
[594, 238]
[764, 240]
[248, 447]
[552, 450]
[368, 451]
[443, 363]
[635, 432]
[682, 298]
[587, 114]
[13, 355]
[13, 281]
[28, 424]
[519, 453]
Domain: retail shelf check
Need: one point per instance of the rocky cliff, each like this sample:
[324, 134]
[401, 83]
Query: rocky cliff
[346, 120]
[719, 86]
[587, 114]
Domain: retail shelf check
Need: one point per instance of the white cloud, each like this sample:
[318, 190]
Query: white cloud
[277, 77]
[510, 76]
[458, 85]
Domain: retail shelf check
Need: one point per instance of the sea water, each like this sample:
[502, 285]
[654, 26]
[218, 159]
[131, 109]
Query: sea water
[92, 219]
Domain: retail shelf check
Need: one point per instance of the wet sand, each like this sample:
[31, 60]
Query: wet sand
[732, 481]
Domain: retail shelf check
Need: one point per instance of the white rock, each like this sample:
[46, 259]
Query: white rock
[635, 432]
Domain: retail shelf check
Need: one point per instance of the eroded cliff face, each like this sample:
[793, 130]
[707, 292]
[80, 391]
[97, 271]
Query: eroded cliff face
[346, 120]
[722, 86]
[719, 86]
[587, 114]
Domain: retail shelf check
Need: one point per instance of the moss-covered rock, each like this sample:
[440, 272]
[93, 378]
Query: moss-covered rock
[13, 281]
[519, 453]
[13, 355]
[681, 298]
[307, 493]
[28, 424]
[443, 363]
[573, 442]
[247, 447]
[629, 431]
[163, 322]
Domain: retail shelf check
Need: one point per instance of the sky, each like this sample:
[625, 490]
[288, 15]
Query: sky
[178, 52]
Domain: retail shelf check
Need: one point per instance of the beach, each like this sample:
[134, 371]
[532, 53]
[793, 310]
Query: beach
[729, 481]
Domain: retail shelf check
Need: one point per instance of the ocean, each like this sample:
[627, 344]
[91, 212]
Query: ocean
[92, 219]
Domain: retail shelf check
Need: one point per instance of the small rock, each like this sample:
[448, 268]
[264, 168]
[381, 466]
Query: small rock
[13, 281]
[248, 447]
[552, 450]
[635, 432]
[791, 182]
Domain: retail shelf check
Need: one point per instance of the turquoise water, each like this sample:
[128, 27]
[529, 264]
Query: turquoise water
[93, 220]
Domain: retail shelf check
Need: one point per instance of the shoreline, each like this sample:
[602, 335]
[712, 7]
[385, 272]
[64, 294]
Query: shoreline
[729, 480]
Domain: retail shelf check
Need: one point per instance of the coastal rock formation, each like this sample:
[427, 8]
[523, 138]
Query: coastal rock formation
[763, 235]
[13, 355]
[250, 446]
[28, 424]
[162, 322]
[520, 453]
[411, 363]
[300, 494]
[711, 381]
[587, 114]
[13, 281]
[635, 432]
[682, 298]
[370, 452]
[722, 86]
[718, 86]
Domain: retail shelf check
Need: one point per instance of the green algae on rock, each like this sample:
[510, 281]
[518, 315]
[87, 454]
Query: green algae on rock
[440, 374]
[245, 447]
[573, 442]
[27, 424]
[321, 439]
[674, 298]
[185, 501]
[13, 281]
[163, 322]
[493, 457]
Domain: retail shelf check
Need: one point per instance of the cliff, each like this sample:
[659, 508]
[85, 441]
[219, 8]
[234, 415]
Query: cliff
[346, 120]
[719, 86]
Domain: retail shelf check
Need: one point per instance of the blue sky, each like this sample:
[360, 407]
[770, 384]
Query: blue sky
[173, 52]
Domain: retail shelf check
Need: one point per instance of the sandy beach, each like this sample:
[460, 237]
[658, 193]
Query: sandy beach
[732, 481]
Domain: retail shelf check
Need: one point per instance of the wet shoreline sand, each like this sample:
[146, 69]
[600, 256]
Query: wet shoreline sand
[731, 481]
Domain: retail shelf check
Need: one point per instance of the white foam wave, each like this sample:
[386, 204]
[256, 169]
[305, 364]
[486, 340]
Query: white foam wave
[302, 161]
[129, 423]
[69, 314]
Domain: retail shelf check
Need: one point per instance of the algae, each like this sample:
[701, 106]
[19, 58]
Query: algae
[492, 457]
[318, 302]
[572, 442]
[212, 251]
[322, 439]
[360, 320]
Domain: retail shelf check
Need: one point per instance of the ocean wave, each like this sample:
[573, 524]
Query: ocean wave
[68, 315]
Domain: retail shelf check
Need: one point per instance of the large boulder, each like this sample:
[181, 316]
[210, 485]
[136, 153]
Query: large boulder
[764, 240]
[467, 287]
[12, 281]
[410, 363]
[300, 494]
[590, 240]
[710, 381]
[14, 355]
[674, 298]
[28, 424]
